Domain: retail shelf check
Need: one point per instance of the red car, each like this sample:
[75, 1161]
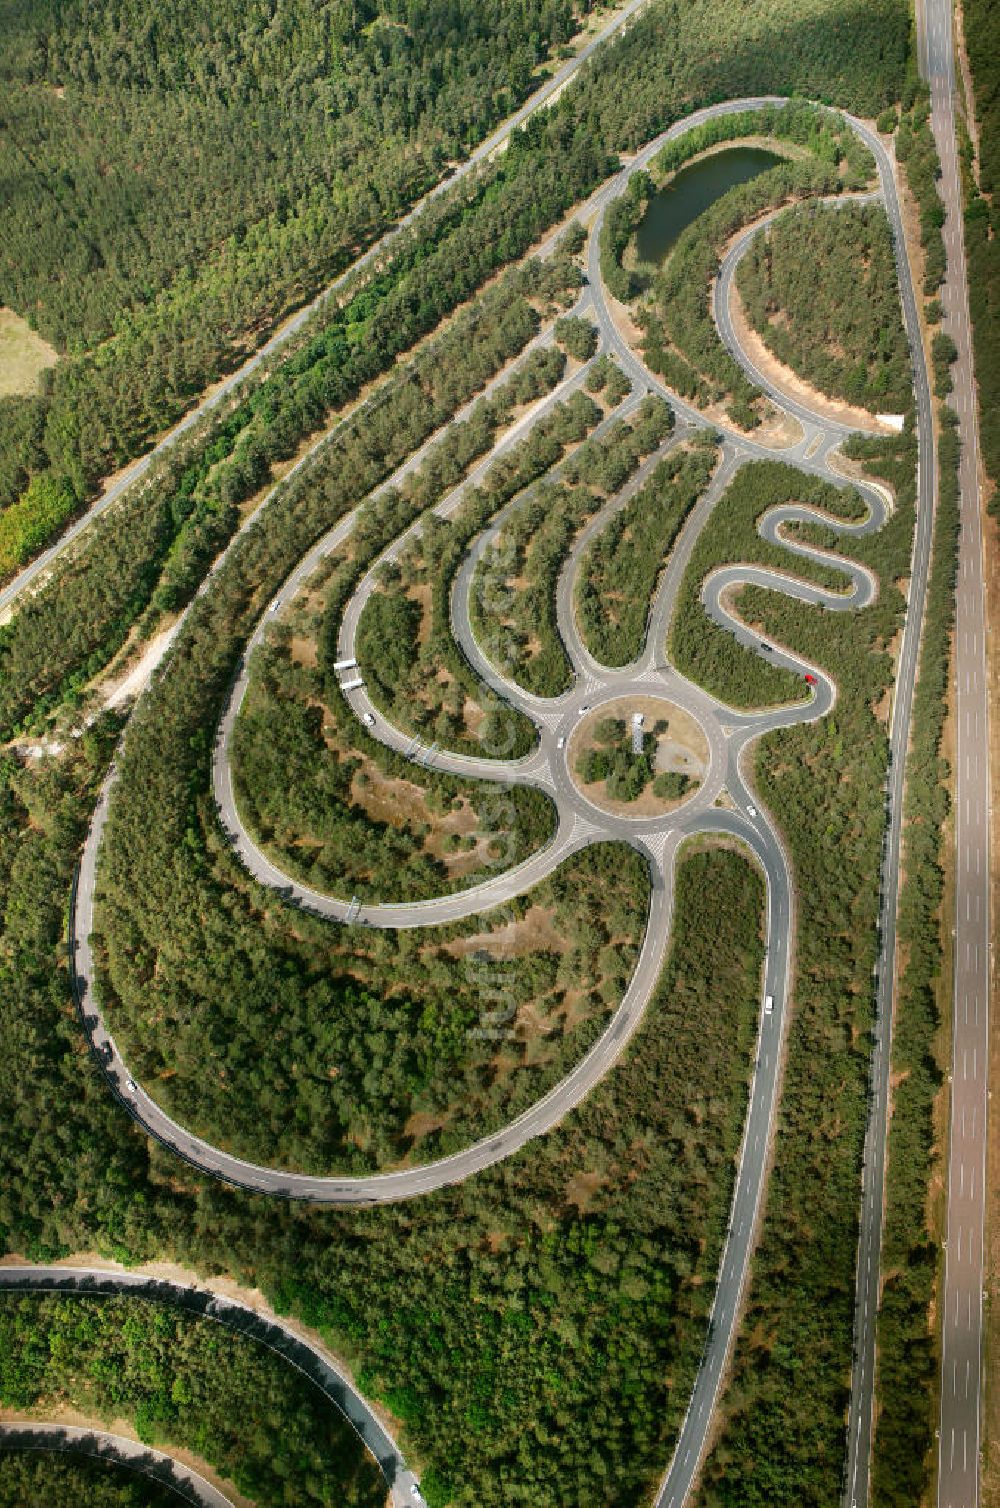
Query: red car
[810, 680]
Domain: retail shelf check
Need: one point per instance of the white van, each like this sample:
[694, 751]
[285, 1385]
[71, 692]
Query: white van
[768, 1005]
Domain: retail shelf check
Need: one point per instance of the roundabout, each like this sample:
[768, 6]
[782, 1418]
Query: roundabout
[638, 756]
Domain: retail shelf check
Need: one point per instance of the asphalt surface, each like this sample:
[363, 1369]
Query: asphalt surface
[314, 1364]
[730, 735]
[961, 1306]
[36, 570]
[142, 1460]
[814, 452]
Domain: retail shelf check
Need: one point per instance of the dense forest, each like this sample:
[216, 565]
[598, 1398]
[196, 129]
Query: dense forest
[151, 556]
[186, 1382]
[513, 594]
[616, 577]
[331, 804]
[908, 1362]
[982, 227]
[338, 810]
[503, 1321]
[251, 251]
[800, 1303]
[819, 285]
[712, 655]
[417, 674]
[304, 1045]
[526, 1302]
[681, 340]
[76, 1481]
[176, 182]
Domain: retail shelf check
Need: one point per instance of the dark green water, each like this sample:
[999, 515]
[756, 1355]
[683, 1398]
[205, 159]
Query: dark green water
[691, 192]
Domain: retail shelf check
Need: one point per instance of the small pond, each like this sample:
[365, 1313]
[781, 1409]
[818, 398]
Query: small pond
[691, 191]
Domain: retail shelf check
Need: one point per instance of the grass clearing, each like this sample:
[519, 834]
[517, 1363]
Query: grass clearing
[24, 356]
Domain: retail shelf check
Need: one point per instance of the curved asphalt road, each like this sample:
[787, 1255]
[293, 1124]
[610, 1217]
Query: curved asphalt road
[142, 1460]
[313, 1363]
[722, 297]
[730, 733]
[804, 454]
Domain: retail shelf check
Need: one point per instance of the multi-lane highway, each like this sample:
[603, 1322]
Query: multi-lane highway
[729, 735]
[961, 1307]
[313, 1362]
[36, 570]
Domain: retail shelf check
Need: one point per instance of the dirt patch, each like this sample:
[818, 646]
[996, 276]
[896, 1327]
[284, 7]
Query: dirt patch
[581, 1189]
[420, 593]
[24, 356]
[789, 383]
[423, 1122]
[303, 651]
[128, 683]
[779, 431]
[535, 932]
[398, 803]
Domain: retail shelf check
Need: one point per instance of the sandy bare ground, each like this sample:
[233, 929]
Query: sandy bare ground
[24, 355]
[120, 689]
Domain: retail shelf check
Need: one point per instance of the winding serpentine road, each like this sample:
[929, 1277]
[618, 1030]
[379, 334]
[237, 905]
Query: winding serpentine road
[313, 1363]
[730, 735]
[292, 327]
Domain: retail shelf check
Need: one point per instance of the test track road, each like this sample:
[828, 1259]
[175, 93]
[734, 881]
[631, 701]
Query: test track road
[961, 1300]
[730, 735]
[313, 1363]
[137, 469]
[101, 1445]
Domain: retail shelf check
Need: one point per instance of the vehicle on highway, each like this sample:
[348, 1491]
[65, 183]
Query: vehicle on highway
[768, 1005]
[369, 719]
[561, 741]
[583, 710]
[130, 1083]
[751, 811]
[810, 680]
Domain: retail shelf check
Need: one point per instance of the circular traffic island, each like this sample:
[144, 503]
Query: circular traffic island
[638, 756]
